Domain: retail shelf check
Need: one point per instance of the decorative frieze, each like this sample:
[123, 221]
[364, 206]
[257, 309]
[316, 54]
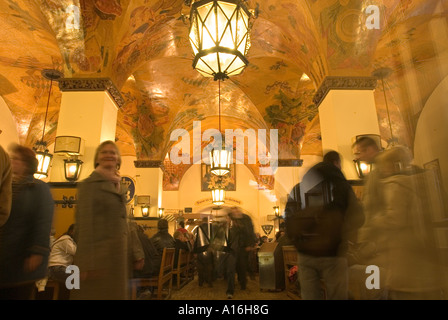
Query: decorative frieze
[92, 84]
[148, 164]
[290, 162]
[343, 83]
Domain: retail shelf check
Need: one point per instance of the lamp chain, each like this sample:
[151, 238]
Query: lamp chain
[219, 104]
[387, 110]
[46, 112]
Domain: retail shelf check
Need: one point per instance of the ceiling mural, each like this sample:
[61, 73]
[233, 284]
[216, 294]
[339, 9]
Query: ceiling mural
[143, 47]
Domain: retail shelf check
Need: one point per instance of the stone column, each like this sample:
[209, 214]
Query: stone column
[346, 109]
[88, 110]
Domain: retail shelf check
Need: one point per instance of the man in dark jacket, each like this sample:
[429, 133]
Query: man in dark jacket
[322, 216]
[241, 241]
[152, 258]
[162, 239]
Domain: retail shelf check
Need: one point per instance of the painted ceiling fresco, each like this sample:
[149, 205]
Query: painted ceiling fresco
[143, 47]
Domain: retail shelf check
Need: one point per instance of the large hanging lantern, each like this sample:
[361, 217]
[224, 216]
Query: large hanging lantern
[218, 196]
[42, 154]
[220, 161]
[220, 158]
[43, 158]
[220, 37]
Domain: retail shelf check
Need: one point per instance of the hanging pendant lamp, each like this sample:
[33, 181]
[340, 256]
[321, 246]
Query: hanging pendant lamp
[382, 73]
[220, 158]
[40, 148]
[220, 37]
[218, 193]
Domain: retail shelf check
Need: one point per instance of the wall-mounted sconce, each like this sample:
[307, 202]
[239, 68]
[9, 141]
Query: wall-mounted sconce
[145, 210]
[72, 147]
[144, 203]
[276, 210]
[72, 168]
[362, 167]
[160, 211]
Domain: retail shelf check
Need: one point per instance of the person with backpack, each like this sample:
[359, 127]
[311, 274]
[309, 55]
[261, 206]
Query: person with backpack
[322, 216]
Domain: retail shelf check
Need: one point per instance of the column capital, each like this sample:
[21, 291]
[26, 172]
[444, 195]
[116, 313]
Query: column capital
[92, 84]
[343, 83]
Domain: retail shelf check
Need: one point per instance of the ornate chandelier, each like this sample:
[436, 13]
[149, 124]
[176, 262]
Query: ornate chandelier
[220, 37]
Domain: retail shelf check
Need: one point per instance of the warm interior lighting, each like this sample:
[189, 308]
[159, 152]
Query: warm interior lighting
[220, 158]
[276, 210]
[161, 212]
[44, 159]
[145, 211]
[220, 37]
[42, 154]
[304, 77]
[220, 161]
[362, 168]
[218, 196]
[72, 168]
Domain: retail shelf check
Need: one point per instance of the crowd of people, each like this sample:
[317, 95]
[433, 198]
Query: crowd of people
[335, 233]
[338, 236]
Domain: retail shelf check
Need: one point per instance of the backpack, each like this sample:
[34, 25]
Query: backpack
[315, 211]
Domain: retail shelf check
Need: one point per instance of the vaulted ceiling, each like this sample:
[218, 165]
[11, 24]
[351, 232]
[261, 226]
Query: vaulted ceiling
[143, 47]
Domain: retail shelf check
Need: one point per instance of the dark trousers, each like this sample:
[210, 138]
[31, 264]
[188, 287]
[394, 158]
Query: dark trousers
[205, 268]
[57, 273]
[237, 262]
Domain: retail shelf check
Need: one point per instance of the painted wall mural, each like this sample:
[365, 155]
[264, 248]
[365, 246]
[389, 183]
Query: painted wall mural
[143, 47]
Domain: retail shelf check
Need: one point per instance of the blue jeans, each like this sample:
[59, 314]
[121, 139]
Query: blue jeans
[317, 273]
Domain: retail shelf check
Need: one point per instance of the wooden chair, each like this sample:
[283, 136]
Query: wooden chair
[191, 265]
[164, 278]
[290, 257]
[50, 286]
[181, 270]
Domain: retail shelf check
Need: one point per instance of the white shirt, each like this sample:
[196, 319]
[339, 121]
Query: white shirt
[62, 252]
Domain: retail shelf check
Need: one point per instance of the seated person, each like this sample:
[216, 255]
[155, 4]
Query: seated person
[152, 258]
[181, 243]
[162, 239]
[153, 249]
[61, 256]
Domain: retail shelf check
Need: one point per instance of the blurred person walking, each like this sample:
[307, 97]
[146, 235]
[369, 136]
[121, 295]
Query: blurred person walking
[25, 237]
[322, 217]
[402, 228]
[241, 242]
[102, 230]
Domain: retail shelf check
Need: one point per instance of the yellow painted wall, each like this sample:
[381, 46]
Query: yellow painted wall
[63, 217]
